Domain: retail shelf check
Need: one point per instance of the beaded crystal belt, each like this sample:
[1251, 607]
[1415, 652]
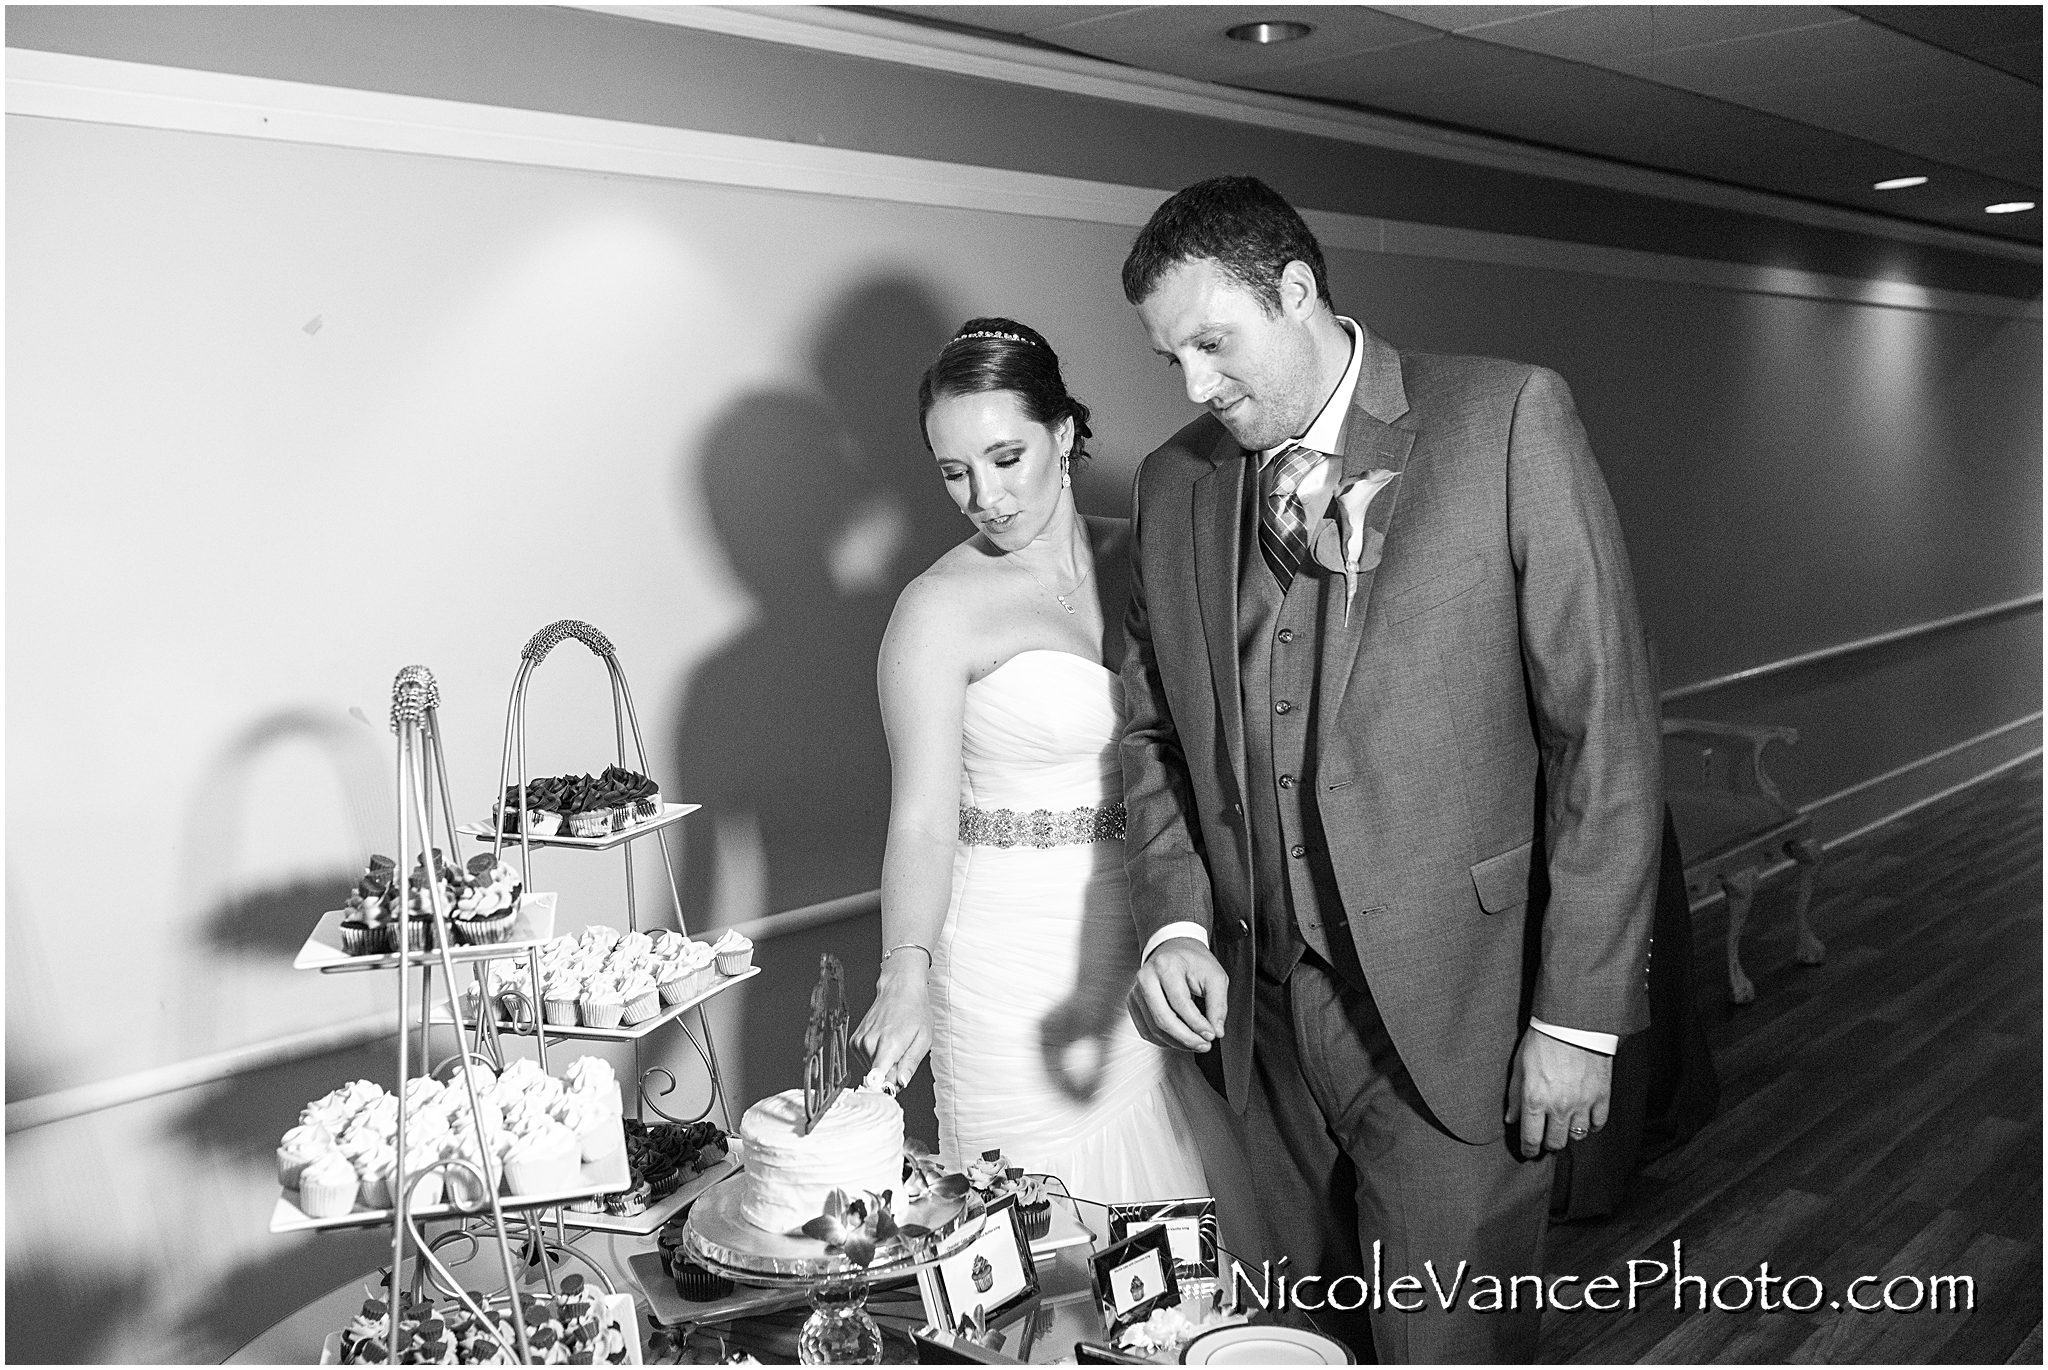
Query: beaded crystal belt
[1041, 827]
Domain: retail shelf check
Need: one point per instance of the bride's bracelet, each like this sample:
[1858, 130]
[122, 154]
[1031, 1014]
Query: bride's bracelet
[929, 958]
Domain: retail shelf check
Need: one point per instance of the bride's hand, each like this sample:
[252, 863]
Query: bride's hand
[896, 1034]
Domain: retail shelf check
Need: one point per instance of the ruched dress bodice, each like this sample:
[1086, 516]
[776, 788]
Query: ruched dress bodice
[1033, 1050]
[1040, 732]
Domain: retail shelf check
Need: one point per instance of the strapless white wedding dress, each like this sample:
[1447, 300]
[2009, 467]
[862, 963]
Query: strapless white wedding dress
[1033, 1050]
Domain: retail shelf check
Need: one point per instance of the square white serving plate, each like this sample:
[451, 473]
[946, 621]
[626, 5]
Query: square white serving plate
[618, 1034]
[661, 1210]
[596, 1177]
[670, 813]
[533, 924]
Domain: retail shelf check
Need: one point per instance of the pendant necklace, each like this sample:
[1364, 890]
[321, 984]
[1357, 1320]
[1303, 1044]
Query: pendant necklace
[1049, 590]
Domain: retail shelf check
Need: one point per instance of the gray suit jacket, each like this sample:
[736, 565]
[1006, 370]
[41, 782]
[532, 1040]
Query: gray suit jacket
[1486, 759]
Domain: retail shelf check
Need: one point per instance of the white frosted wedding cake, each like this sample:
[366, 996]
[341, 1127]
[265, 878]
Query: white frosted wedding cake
[857, 1146]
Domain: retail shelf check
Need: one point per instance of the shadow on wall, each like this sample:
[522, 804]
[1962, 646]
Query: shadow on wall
[60, 1313]
[826, 505]
[272, 922]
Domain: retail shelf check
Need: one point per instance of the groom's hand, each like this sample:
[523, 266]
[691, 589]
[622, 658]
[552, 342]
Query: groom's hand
[1180, 996]
[1557, 1093]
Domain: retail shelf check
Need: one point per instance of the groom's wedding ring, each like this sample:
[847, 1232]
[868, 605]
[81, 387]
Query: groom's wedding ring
[1576, 1131]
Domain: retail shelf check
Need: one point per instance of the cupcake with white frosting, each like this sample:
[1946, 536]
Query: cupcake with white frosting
[327, 1187]
[597, 1128]
[734, 951]
[546, 1159]
[601, 1004]
[299, 1148]
[642, 997]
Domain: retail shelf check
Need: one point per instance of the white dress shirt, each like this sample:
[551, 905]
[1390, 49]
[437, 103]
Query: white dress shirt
[1323, 435]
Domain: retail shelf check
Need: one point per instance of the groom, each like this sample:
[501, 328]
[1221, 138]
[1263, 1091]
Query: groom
[1391, 772]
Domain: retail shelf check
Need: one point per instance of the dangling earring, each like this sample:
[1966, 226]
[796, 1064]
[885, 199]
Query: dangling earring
[1065, 478]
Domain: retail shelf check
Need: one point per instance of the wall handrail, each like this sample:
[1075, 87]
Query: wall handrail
[1842, 649]
[100, 1095]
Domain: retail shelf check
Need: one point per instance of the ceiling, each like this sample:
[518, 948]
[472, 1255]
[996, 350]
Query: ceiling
[1811, 101]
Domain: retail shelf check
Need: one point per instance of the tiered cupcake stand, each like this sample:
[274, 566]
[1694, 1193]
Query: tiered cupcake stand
[427, 821]
[521, 1012]
[422, 780]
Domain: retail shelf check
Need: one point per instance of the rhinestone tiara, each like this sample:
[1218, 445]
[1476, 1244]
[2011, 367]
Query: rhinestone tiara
[1006, 337]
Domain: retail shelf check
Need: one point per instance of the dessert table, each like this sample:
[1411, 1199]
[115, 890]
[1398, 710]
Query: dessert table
[762, 1323]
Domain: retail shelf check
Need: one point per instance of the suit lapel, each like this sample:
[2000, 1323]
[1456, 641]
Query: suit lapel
[1218, 515]
[1371, 442]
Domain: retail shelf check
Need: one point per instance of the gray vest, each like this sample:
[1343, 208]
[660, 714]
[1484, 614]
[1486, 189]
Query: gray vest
[1280, 643]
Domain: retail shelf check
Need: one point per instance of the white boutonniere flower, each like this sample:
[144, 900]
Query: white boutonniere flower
[1345, 543]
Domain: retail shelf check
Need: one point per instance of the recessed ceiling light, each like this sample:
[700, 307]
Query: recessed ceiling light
[2010, 207]
[1901, 183]
[1277, 31]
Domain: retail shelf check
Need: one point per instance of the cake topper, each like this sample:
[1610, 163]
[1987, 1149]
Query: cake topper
[825, 1041]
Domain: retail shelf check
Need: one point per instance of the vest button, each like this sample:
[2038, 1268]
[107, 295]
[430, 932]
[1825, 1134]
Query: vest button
[1283, 706]
[1286, 782]
[1297, 851]
[1287, 634]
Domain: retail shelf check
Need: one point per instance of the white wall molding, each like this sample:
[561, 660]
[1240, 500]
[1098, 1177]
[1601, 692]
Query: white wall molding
[96, 90]
[826, 29]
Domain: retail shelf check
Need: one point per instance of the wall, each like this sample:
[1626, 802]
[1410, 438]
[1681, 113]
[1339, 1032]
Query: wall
[285, 417]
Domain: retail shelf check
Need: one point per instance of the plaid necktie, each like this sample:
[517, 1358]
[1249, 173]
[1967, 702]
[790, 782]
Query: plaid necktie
[1283, 524]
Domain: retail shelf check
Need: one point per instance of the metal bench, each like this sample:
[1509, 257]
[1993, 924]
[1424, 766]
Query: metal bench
[1732, 823]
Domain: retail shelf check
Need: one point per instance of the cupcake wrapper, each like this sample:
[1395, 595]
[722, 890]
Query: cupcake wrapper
[543, 1174]
[327, 1200]
[363, 939]
[559, 1012]
[591, 823]
[641, 1009]
[648, 808]
[733, 962]
[690, 984]
[473, 932]
[627, 1203]
[601, 1139]
[419, 934]
[602, 1015]
[290, 1166]
[699, 1285]
[375, 1193]
[1036, 1222]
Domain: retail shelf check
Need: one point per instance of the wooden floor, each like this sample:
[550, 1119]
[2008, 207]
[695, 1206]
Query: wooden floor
[1880, 1114]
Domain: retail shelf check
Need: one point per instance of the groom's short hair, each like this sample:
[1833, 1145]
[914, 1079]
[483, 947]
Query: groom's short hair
[1238, 222]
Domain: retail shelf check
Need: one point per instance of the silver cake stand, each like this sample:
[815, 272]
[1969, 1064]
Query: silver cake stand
[839, 1330]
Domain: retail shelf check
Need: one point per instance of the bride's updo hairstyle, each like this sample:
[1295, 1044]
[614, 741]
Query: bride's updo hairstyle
[1002, 354]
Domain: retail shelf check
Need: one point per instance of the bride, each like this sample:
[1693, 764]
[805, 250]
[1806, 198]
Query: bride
[1008, 945]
